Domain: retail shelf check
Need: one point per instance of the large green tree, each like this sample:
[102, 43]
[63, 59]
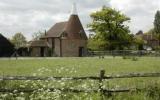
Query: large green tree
[96, 44]
[110, 27]
[157, 24]
[138, 43]
[151, 32]
[19, 40]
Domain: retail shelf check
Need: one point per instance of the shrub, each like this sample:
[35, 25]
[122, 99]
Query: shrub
[134, 59]
[126, 57]
[153, 91]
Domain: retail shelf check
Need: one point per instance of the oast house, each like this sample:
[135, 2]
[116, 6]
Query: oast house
[64, 39]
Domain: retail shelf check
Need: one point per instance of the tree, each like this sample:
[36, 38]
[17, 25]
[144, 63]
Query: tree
[19, 40]
[157, 24]
[109, 26]
[38, 35]
[96, 44]
[151, 32]
[139, 42]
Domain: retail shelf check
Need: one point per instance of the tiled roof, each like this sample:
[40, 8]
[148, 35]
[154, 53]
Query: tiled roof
[39, 43]
[73, 28]
[56, 30]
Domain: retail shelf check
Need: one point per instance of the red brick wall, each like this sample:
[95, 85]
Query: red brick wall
[70, 48]
[36, 52]
[57, 47]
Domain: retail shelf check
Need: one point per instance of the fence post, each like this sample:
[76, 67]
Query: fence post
[102, 73]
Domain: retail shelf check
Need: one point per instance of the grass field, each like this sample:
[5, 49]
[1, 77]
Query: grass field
[82, 66]
[86, 66]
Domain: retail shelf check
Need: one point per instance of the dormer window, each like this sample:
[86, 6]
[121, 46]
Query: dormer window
[64, 35]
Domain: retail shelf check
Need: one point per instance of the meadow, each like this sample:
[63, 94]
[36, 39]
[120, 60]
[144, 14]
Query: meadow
[83, 66]
[86, 66]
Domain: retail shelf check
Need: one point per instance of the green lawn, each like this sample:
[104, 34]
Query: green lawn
[82, 66]
[89, 66]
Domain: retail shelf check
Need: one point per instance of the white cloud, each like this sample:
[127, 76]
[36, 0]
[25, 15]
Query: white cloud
[141, 12]
[31, 16]
[34, 15]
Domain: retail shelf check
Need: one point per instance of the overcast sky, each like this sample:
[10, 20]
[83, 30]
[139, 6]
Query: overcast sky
[29, 16]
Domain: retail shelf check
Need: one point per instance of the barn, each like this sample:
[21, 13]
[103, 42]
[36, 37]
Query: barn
[6, 47]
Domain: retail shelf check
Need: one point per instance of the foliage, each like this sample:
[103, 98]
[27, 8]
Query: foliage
[155, 36]
[42, 88]
[157, 22]
[96, 44]
[19, 40]
[157, 48]
[110, 26]
[151, 31]
[153, 91]
[134, 58]
[156, 30]
[38, 35]
[139, 42]
[126, 57]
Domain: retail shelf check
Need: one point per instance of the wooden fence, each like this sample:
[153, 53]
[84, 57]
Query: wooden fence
[125, 53]
[99, 78]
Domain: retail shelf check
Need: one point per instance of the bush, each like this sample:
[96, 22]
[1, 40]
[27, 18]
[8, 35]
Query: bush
[134, 59]
[153, 91]
[126, 57]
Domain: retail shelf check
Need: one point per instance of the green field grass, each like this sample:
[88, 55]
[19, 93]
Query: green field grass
[83, 66]
[87, 66]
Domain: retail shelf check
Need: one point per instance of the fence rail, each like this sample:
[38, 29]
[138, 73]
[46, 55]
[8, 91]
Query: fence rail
[99, 78]
[67, 90]
[125, 53]
[130, 75]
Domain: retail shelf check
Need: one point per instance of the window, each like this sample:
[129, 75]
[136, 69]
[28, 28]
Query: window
[53, 43]
[64, 35]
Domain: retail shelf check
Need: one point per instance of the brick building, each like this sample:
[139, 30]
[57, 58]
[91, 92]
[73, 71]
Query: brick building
[39, 48]
[149, 39]
[64, 39]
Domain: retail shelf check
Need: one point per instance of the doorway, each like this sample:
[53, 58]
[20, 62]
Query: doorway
[42, 52]
[81, 50]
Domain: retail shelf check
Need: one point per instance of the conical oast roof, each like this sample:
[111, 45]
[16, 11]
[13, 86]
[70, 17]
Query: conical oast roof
[74, 28]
